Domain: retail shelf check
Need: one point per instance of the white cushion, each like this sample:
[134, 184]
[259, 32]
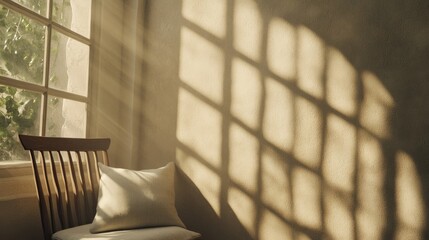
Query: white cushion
[158, 233]
[131, 199]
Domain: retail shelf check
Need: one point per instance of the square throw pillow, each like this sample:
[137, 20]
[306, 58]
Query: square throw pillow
[131, 199]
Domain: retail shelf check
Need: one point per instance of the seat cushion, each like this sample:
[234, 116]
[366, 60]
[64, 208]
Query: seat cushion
[156, 233]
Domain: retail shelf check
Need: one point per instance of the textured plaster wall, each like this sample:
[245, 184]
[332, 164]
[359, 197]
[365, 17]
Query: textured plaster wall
[291, 119]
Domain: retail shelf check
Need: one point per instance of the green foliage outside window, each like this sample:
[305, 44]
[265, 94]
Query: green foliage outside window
[18, 114]
[22, 50]
[22, 47]
[21, 57]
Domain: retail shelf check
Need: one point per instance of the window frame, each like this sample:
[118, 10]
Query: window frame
[44, 88]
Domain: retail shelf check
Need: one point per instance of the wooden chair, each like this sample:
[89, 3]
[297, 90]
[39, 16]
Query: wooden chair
[66, 175]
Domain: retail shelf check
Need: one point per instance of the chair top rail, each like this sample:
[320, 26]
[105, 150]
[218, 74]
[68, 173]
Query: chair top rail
[39, 143]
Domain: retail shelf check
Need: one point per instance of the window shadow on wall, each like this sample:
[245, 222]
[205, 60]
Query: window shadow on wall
[303, 120]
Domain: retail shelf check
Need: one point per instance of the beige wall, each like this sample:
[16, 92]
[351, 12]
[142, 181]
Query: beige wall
[290, 119]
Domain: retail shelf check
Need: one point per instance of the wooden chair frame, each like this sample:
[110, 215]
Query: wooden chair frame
[66, 176]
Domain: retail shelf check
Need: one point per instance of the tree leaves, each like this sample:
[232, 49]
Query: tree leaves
[22, 46]
[18, 113]
[22, 52]
[22, 42]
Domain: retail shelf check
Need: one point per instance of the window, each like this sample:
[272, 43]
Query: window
[44, 70]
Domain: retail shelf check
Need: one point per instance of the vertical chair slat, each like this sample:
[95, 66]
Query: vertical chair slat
[97, 179]
[75, 188]
[90, 182]
[68, 211]
[82, 184]
[40, 195]
[58, 195]
[105, 158]
[49, 212]
[97, 173]
[88, 170]
[84, 187]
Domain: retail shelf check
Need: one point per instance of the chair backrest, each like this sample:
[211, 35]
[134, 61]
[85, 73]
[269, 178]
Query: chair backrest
[66, 176]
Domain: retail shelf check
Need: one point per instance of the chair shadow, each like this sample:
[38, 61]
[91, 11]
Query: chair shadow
[198, 215]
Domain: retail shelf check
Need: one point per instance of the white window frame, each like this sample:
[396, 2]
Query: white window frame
[44, 89]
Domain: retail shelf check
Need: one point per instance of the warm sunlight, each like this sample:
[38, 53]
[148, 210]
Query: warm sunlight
[278, 125]
[208, 15]
[244, 161]
[371, 212]
[338, 171]
[281, 49]
[247, 29]
[311, 62]
[245, 208]
[202, 65]
[246, 93]
[70, 65]
[197, 121]
[341, 85]
[306, 198]
[275, 189]
[308, 140]
[340, 149]
[75, 118]
[206, 179]
[273, 227]
[286, 132]
[410, 207]
[376, 106]
[338, 217]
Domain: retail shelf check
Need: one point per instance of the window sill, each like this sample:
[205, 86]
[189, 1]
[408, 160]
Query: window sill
[16, 180]
[14, 164]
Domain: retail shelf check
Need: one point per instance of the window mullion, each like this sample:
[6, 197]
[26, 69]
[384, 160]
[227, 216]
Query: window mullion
[46, 71]
[70, 33]
[7, 81]
[67, 95]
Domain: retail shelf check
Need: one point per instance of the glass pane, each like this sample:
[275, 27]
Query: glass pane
[69, 64]
[65, 118]
[73, 14]
[22, 46]
[19, 113]
[38, 6]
